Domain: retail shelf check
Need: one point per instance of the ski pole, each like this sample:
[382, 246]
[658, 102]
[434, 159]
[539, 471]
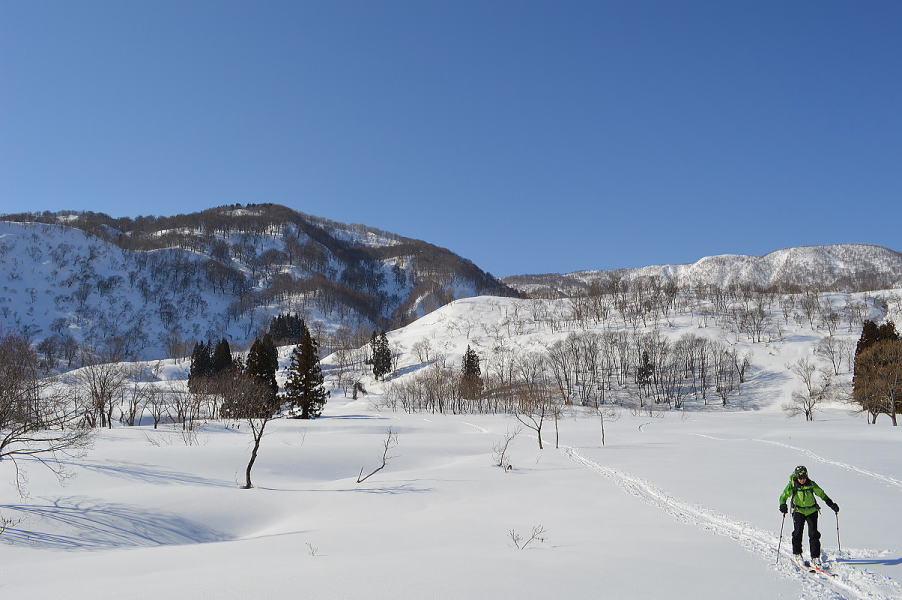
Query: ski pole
[780, 543]
[838, 543]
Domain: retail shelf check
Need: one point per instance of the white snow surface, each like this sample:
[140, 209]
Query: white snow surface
[680, 505]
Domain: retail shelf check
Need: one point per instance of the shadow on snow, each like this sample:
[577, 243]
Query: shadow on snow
[149, 474]
[870, 561]
[80, 524]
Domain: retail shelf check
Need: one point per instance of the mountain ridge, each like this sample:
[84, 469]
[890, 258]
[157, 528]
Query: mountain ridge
[834, 267]
[221, 272]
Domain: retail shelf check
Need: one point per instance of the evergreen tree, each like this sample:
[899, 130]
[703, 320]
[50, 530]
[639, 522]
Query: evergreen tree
[222, 357]
[262, 362]
[304, 386]
[381, 356]
[374, 341]
[471, 378]
[887, 332]
[287, 328]
[644, 371]
[201, 365]
[871, 335]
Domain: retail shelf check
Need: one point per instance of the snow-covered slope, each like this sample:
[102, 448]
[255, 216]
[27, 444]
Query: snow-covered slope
[677, 503]
[837, 267]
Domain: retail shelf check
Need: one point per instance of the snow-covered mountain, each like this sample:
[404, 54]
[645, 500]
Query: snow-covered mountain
[146, 286]
[834, 267]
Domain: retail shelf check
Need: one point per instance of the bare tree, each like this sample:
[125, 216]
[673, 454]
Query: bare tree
[156, 403]
[499, 450]
[533, 405]
[100, 381]
[830, 348]
[423, 350]
[606, 413]
[131, 403]
[391, 441]
[36, 421]
[248, 400]
[817, 387]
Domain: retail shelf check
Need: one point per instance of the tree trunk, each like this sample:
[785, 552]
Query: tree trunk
[248, 485]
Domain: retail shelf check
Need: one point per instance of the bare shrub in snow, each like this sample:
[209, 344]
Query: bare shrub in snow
[537, 535]
[499, 450]
[391, 441]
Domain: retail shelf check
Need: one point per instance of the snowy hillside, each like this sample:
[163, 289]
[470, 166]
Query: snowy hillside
[678, 503]
[150, 287]
[837, 267]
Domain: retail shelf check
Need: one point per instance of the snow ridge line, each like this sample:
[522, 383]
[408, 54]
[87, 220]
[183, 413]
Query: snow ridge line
[835, 463]
[859, 584]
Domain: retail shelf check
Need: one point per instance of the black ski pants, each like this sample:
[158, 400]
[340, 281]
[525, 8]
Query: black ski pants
[814, 536]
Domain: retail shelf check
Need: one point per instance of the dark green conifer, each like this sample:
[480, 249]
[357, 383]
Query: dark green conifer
[201, 365]
[471, 377]
[381, 356]
[222, 357]
[262, 362]
[304, 388]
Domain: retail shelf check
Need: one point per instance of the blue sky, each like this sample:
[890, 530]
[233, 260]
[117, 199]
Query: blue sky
[526, 136]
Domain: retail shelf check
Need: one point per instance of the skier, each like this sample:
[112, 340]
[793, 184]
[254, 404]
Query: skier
[801, 491]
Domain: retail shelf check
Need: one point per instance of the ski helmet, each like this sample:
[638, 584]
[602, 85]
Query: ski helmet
[801, 471]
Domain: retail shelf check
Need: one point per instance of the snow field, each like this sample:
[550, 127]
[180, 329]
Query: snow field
[140, 520]
[679, 505]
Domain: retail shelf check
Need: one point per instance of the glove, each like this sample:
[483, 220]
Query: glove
[783, 509]
[834, 506]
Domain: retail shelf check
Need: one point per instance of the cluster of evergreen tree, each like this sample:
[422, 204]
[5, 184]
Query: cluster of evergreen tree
[471, 384]
[211, 369]
[877, 379]
[287, 328]
[381, 355]
[208, 362]
[304, 388]
[251, 389]
[872, 333]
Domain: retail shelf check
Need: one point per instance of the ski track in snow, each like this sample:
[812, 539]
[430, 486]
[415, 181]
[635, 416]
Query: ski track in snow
[850, 583]
[828, 461]
[835, 463]
[477, 427]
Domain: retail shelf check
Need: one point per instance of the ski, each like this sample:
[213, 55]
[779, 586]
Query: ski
[821, 569]
[804, 565]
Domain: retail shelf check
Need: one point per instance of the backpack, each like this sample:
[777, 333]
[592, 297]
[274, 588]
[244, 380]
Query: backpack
[795, 488]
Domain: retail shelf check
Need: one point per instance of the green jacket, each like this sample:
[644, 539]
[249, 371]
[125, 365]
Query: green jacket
[803, 496]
